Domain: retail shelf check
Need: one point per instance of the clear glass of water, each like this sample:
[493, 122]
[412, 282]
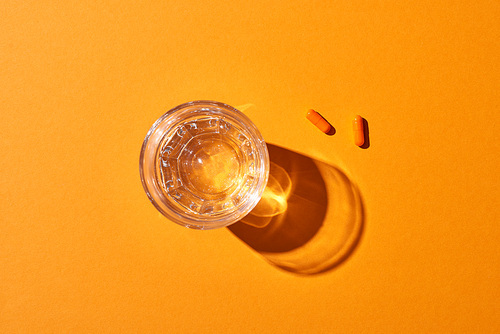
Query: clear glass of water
[204, 165]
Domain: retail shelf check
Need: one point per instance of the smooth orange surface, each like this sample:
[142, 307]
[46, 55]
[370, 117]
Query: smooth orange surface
[83, 250]
[318, 121]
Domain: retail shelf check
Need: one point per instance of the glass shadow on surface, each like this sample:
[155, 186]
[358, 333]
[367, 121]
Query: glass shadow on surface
[309, 219]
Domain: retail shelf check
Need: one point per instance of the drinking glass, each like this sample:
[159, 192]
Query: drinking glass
[204, 164]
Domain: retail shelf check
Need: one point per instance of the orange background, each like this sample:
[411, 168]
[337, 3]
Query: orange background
[83, 250]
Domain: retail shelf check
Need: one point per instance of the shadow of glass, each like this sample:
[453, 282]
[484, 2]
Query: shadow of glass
[310, 217]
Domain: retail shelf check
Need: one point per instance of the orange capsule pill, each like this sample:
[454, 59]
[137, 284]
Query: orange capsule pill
[318, 120]
[359, 133]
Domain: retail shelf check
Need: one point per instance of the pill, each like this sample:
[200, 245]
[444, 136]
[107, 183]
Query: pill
[318, 120]
[357, 127]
